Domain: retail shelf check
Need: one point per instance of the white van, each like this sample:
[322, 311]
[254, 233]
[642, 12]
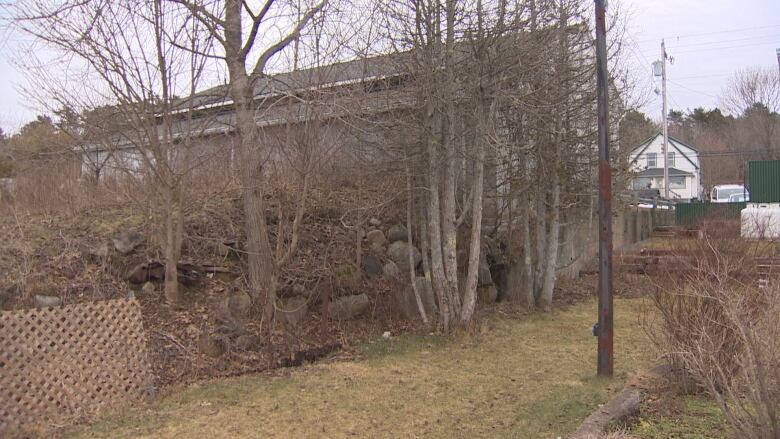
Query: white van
[725, 193]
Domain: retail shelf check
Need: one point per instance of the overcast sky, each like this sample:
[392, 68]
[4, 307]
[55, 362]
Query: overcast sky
[709, 40]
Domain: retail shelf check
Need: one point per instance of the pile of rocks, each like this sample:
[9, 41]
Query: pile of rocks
[389, 250]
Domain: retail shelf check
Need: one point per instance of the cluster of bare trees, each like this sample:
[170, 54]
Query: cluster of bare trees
[134, 75]
[504, 136]
[500, 131]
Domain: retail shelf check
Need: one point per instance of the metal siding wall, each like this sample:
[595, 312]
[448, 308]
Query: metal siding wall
[764, 181]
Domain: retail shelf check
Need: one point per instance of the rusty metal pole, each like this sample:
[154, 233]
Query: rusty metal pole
[604, 332]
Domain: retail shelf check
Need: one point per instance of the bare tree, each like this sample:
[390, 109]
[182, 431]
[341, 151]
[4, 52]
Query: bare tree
[135, 57]
[249, 36]
[754, 94]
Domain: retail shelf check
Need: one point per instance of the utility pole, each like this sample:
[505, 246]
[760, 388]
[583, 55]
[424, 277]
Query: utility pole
[777, 52]
[666, 111]
[604, 328]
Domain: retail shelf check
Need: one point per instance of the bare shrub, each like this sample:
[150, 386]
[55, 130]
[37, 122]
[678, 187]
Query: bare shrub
[53, 188]
[721, 330]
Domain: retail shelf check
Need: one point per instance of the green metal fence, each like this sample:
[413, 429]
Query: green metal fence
[690, 214]
[764, 181]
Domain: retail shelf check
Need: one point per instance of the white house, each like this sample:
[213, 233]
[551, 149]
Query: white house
[646, 162]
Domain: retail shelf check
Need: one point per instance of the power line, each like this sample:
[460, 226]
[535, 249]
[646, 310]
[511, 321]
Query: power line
[773, 26]
[707, 43]
[704, 43]
[714, 75]
[638, 50]
[714, 45]
[722, 48]
[695, 91]
[674, 101]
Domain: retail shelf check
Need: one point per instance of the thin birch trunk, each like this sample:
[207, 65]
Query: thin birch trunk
[540, 226]
[438, 278]
[551, 262]
[528, 268]
[171, 285]
[449, 217]
[426, 260]
[470, 294]
[412, 274]
[553, 238]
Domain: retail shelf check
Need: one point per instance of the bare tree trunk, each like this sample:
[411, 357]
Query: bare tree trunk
[540, 225]
[260, 263]
[528, 267]
[550, 263]
[438, 277]
[449, 221]
[449, 217]
[412, 274]
[426, 260]
[171, 285]
[470, 295]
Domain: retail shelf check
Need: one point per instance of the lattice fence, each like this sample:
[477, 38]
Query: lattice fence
[71, 360]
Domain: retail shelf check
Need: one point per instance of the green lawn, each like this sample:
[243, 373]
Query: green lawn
[532, 377]
[699, 418]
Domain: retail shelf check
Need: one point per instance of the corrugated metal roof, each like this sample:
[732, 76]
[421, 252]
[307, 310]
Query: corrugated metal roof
[322, 76]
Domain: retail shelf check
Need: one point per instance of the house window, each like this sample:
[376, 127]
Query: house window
[651, 159]
[676, 182]
[642, 183]
[670, 159]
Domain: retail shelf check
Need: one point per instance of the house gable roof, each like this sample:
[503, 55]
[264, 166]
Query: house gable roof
[672, 141]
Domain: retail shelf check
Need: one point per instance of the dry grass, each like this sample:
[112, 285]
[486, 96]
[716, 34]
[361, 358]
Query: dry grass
[529, 378]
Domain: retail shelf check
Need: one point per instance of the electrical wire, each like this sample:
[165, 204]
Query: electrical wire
[757, 39]
[692, 90]
[773, 26]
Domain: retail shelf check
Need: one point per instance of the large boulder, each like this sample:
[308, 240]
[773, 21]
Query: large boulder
[484, 276]
[397, 232]
[398, 252]
[233, 311]
[372, 266]
[126, 242]
[348, 307]
[149, 288]
[98, 253]
[239, 303]
[390, 269]
[42, 301]
[147, 271]
[376, 238]
[406, 302]
[211, 345]
[378, 250]
[290, 312]
[487, 294]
